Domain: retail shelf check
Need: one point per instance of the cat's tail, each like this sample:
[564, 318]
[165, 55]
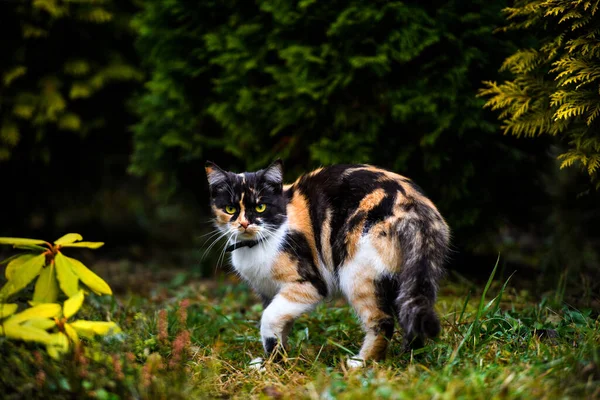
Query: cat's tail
[424, 240]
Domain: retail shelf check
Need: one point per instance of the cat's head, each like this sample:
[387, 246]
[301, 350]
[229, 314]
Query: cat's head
[249, 205]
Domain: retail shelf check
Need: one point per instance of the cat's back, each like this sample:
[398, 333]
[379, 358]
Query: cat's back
[350, 188]
[334, 206]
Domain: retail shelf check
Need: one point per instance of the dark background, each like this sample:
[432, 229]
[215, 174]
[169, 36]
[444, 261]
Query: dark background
[241, 83]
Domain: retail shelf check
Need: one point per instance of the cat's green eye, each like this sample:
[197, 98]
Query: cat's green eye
[230, 209]
[261, 207]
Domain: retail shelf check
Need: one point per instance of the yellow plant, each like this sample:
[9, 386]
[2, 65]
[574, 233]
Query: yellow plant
[30, 324]
[68, 332]
[53, 270]
[554, 86]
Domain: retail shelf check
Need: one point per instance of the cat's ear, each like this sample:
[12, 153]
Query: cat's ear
[273, 174]
[214, 173]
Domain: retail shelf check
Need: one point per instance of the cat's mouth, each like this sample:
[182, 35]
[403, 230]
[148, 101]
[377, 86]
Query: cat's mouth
[248, 233]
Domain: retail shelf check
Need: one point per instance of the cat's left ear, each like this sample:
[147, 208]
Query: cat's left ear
[273, 174]
[214, 173]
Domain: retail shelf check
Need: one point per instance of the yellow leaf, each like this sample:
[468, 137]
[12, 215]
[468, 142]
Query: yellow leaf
[93, 281]
[15, 264]
[39, 311]
[71, 333]
[69, 122]
[66, 277]
[24, 111]
[27, 333]
[6, 291]
[7, 310]
[57, 345]
[13, 74]
[46, 287]
[53, 352]
[89, 245]
[12, 240]
[91, 328]
[73, 304]
[77, 67]
[40, 323]
[9, 133]
[27, 272]
[69, 238]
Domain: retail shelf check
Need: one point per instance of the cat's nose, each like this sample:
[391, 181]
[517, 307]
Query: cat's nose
[244, 224]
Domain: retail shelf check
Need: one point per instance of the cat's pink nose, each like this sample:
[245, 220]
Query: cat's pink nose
[244, 224]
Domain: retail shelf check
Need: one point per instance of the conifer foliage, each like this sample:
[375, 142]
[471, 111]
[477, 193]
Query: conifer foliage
[555, 85]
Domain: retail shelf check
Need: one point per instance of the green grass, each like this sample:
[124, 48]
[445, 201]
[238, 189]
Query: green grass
[508, 344]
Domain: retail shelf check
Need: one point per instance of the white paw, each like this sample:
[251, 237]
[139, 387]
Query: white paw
[355, 362]
[257, 364]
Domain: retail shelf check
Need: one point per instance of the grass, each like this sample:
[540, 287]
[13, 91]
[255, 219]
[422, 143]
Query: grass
[195, 339]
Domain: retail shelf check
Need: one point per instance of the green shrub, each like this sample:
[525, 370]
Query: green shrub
[387, 82]
[554, 90]
[61, 54]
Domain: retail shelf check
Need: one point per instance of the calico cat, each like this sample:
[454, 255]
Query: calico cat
[358, 229]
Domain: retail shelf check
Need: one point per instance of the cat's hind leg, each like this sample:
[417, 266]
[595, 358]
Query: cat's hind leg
[367, 291]
[293, 300]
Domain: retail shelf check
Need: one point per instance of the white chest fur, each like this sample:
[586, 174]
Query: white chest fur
[254, 264]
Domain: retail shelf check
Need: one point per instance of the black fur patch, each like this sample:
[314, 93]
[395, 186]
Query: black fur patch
[265, 300]
[320, 191]
[270, 344]
[381, 211]
[386, 291]
[386, 326]
[298, 248]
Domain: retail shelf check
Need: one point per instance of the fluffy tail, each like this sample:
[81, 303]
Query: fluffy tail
[424, 239]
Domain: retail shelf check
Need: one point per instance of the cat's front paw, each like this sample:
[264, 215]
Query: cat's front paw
[355, 362]
[257, 364]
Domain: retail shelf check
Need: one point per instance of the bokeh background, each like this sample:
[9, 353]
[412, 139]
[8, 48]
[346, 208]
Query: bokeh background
[108, 110]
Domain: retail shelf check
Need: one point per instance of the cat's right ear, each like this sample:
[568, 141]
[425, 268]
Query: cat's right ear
[214, 173]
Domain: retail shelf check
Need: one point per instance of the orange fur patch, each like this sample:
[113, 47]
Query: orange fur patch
[285, 269]
[221, 216]
[302, 293]
[387, 244]
[299, 219]
[326, 251]
[369, 202]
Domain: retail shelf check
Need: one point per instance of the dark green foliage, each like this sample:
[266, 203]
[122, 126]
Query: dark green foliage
[554, 86]
[387, 82]
[56, 55]
[66, 69]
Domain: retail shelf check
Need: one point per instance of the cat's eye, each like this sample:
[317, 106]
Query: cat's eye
[230, 209]
[261, 207]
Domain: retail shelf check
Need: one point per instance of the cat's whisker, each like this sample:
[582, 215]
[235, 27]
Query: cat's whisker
[223, 251]
[262, 239]
[219, 235]
[212, 236]
[215, 241]
[210, 233]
